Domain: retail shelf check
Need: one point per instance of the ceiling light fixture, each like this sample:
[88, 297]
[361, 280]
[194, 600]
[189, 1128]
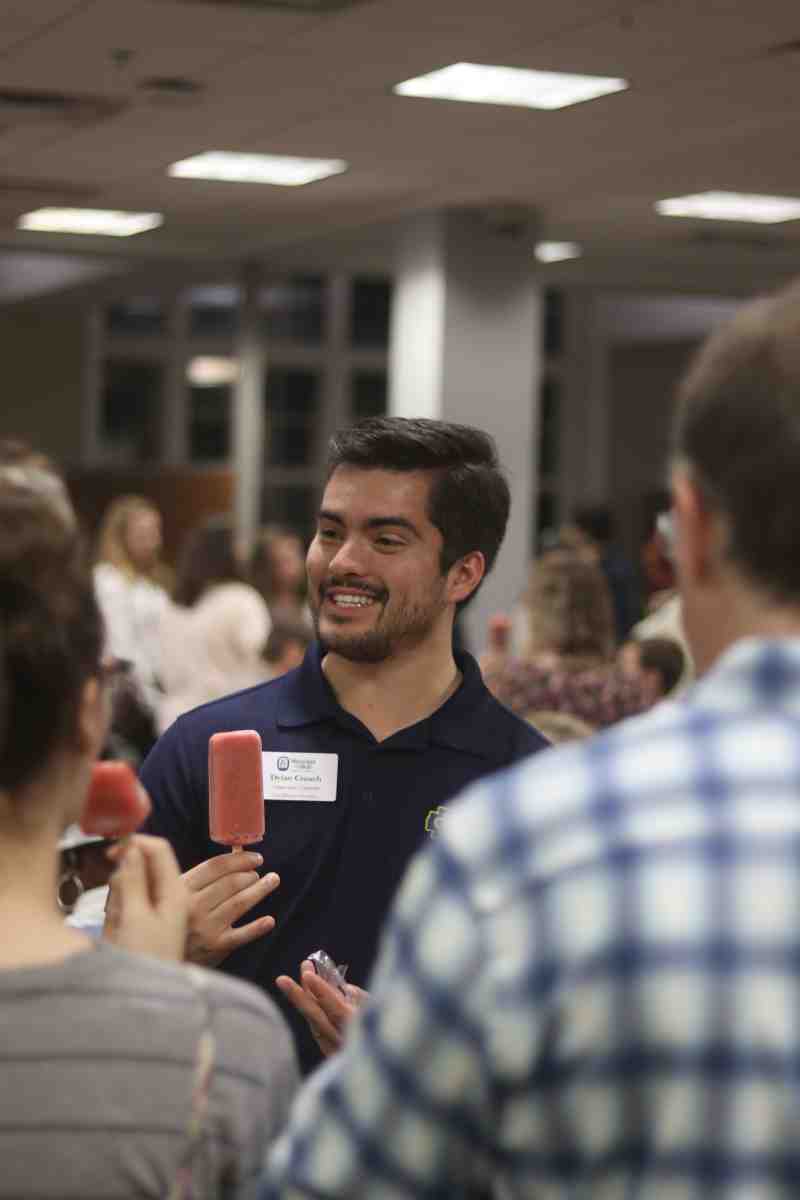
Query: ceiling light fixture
[551, 252]
[732, 206]
[479, 84]
[105, 222]
[212, 371]
[282, 170]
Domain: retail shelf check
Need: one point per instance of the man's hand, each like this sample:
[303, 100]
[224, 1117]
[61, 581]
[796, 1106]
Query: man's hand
[221, 891]
[148, 906]
[326, 1010]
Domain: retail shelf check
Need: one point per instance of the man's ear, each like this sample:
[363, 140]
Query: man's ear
[699, 532]
[465, 575]
[93, 718]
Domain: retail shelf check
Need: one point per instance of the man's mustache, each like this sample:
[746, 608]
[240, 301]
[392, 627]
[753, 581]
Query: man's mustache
[352, 585]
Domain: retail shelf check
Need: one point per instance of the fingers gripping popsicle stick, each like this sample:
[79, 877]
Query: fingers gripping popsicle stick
[236, 808]
[116, 803]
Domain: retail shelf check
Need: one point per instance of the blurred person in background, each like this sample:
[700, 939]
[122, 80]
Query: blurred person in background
[558, 727]
[592, 534]
[286, 646]
[279, 573]
[123, 1075]
[214, 633]
[21, 464]
[129, 581]
[657, 664]
[665, 618]
[567, 664]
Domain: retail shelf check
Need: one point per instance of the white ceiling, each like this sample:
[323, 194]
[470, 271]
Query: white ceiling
[711, 106]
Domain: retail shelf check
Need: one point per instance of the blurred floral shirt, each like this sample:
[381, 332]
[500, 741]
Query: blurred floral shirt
[599, 695]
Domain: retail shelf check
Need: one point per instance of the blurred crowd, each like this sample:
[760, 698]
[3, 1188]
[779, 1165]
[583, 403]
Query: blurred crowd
[224, 618]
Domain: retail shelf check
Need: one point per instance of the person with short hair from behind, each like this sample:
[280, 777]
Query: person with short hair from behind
[590, 984]
[123, 1075]
[368, 740]
[656, 664]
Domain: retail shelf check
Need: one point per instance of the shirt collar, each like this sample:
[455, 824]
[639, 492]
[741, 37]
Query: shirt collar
[308, 698]
[754, 672]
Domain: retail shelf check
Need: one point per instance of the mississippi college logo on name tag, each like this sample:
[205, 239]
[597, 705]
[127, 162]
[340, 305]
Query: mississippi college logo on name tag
[309, 777]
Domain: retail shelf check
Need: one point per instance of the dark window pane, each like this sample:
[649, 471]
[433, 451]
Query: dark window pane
[550, 426]
[293, 310]
[213, 310]
[291, 399]
[369, 394]
[553, 331]
[130, 407]
[209, 423]
[290, 504]
[370, 312]
[144, 316]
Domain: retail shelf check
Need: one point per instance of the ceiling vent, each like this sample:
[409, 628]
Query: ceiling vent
[299, 6]
[18, 106]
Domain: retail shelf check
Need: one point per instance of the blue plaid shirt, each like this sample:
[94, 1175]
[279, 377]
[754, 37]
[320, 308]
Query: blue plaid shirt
[590, 985]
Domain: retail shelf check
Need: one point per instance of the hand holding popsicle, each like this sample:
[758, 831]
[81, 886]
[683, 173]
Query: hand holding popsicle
[226, 887]
[116, 803]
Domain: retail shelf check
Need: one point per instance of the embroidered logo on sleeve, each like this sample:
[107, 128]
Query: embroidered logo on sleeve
[433, 820]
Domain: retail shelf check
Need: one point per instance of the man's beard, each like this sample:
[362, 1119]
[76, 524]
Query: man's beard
[408, 626]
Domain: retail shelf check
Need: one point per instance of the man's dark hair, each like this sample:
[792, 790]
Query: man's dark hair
[50, 630]
[737, 428]
[665, 656]
[596, 521]
[469, 499]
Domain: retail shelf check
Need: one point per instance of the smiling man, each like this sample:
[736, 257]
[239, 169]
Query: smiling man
[367, 741]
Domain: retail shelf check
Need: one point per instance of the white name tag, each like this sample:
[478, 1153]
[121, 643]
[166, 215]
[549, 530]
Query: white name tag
[297, 776]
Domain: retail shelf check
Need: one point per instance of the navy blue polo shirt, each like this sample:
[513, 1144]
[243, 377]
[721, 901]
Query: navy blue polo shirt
[340, 862]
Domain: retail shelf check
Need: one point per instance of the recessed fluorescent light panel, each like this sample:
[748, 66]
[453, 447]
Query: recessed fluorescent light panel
[732, 206]
[551, 252]
[102, 221]
[209, 371]
[479, 84]
[281, 170]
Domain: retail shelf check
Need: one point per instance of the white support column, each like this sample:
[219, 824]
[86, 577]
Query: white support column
[248, 412]
[466, 347]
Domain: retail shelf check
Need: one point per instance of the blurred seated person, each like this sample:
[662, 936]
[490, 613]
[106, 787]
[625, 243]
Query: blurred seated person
[567, 665]
[129, 580]
[286, 646]
[214, 633]
[104, 1048]
[657, 664]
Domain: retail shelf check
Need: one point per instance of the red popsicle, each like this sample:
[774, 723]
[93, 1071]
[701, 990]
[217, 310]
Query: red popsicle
[116, 803]
[236, 809]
